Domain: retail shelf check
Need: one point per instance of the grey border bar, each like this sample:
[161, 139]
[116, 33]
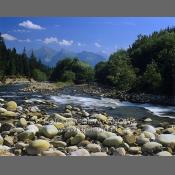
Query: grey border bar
[87, 8]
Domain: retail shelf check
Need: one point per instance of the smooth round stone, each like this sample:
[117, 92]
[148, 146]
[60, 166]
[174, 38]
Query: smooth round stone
[100, 117]
[151, 147]
[148, 120]
[19, 108]
[141, 140]
[26, 135]
[119, 152]
[113, 141]
[37, 146]
[164, 153]
[52, 153]
[130, 139]
[104, 135]
[57, 144]
[149, 135]
[71, 149]
[23, 122]
[49, 131]
[71, 131]
[17, 130]
[84, 143]
[59, 118]
[77, 138]
[93, 132]
[2, 110]
[149, 128]
[11, 106]
[34, 109]
[32, 128]
[9, 140]
[99, 154]
[59, 125]
[80, 152]
[9, 114]
[135, 150]
[92, 121]
[166, 139]
[93, 148]
[169, 131]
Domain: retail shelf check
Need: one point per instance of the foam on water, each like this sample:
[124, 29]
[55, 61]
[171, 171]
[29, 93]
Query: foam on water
[91, 103]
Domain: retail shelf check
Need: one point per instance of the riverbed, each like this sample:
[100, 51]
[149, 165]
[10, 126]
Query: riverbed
[74, 96]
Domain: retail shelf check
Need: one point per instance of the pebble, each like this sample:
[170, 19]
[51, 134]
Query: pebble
[80, 152]
[166, 139]
[77, 138]
[151, 147]
[113, 141]
[149, 128]
[11, 106]
[49, 131]
[99, 154]
[164, 153]
[119, 152]
[53, 153]
[93, 148]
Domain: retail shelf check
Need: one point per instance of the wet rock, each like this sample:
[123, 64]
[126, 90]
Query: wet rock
[164, 153]
[93, 148]
[148, 120]
[38, 146]
[151, 147]
[11, 106]
[166, 139]
[80, 152]
[77, 138]
[114, 141]
[49, 131]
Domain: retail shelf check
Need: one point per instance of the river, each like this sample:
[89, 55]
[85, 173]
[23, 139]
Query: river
[69, 95]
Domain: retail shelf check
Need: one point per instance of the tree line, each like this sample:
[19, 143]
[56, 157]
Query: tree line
[147, 66]
[14, 64]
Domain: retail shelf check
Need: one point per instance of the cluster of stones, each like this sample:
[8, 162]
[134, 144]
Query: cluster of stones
[27, 130]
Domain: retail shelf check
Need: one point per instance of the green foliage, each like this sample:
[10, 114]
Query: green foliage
[38, 75]
[117, 72]
[74, 70]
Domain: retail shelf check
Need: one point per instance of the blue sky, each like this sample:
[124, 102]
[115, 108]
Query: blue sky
[97, 34]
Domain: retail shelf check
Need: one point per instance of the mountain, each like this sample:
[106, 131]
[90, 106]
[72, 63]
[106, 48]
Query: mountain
[50, 56]
[45, 54]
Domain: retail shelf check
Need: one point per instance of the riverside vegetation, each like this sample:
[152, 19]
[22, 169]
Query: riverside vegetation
[148, 66]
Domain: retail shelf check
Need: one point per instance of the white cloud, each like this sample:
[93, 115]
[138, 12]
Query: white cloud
[79, 44]
[97, 44]
[25, 40]
[50, 40]
[30, 25]
[8, 37]
[66, 42]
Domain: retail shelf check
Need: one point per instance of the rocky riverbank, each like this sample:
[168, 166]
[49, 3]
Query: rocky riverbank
[29, 130]
[132, 97]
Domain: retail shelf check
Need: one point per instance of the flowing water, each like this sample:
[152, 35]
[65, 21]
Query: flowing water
[71, 96]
